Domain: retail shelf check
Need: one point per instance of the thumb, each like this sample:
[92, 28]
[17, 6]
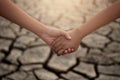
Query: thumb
[66, 35]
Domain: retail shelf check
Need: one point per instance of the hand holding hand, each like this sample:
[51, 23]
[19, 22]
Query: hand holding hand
[51, 33]
[63, 46]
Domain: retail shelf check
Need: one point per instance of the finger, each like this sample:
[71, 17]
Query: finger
[73, 49]
[61, 52]
[55, 41]
[59, 48]
[69, 50]
[59, 43]
[66, 51]
[66, 35]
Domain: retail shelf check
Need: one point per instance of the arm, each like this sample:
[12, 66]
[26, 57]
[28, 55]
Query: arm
[13, 13]
[109, 14]
[62, 46]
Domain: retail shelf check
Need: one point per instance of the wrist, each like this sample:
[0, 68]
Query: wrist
[41, 30]
[79, 31]
[38, 28]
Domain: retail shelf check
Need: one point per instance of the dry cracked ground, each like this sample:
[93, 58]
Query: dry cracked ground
[24, 56]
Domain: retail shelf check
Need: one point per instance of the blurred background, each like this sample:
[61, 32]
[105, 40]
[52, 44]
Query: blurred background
[24, 56]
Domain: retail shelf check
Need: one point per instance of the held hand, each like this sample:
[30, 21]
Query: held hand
[63, 46]
[51, 33]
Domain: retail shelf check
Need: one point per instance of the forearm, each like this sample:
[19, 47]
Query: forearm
[13, 13]
[104, 17]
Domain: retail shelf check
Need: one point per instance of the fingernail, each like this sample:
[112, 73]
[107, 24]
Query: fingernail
[72, 49]
[66, 51]
[69, 37]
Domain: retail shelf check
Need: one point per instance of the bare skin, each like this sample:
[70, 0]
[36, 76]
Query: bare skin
[104, 17]
[13, 13]
[60, 44]
[50, 34]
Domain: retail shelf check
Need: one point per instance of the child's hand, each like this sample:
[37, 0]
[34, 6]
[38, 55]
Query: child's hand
[63, 46]
[51, 33]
